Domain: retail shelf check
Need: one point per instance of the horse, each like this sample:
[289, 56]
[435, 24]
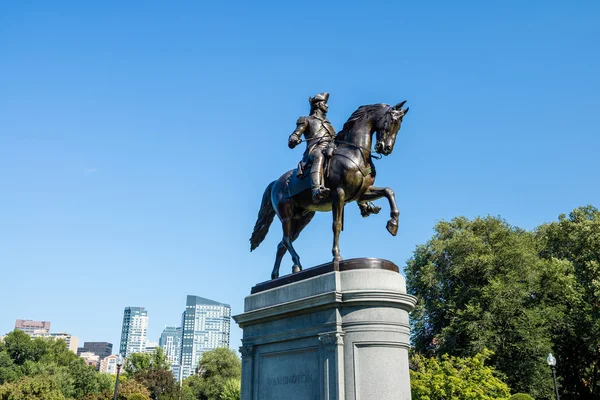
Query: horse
[350, 176]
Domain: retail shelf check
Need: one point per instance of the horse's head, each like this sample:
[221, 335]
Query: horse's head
[387, 127]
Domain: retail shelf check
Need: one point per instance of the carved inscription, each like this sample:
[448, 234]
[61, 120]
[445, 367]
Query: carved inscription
[288, 374]
[290, 379]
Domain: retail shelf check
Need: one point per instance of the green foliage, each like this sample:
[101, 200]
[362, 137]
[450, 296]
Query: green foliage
[137, 396]
[142, 361]
[31, 388]
[153, 372]
[45, 368]
[232, 389]
[159, 382]
[215, 370]
[455, 378]
[481, 284]
[575, 239]
[521, 396]
[485, 284]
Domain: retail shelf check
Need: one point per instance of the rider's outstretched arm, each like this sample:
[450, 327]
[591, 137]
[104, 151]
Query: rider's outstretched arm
[294, 139]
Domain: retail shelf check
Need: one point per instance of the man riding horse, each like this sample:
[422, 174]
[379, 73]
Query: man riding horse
[318, 133]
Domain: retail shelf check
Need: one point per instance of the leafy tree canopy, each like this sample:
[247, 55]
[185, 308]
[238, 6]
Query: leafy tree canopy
[455, 378]
[218, 372]
[483, 283]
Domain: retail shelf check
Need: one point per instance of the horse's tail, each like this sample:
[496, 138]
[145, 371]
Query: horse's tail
[265, 218]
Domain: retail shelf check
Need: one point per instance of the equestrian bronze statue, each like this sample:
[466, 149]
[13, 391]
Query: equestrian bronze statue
[319, 134]
[349, 174]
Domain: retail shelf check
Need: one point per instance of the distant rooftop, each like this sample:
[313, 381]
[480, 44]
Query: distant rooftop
[196, 300]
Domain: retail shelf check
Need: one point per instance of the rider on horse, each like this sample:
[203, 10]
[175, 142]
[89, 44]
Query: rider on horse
[318, 133]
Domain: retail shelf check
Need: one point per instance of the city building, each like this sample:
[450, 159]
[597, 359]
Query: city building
[170, 342]
[134, 331]
[31, 327]
[205, 326]
[91, 359]
[101, 349]
[109, 365]
[150, 347]
[71, 341]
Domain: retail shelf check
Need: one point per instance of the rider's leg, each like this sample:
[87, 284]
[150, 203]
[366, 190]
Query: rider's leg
[319, 191]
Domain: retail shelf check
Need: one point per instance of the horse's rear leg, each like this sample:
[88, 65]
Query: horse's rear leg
[288, 233]
[281, 250]
[298, 225]
[337, 203]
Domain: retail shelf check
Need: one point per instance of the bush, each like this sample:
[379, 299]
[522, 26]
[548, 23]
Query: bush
[137, 396]
[521, 396]
[455, 378]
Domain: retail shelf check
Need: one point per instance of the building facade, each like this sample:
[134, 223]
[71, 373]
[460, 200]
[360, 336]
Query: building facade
[134, 331]
[101, 349]
[170, 342]
[91, 359]
[31, 327]
[109, 365]
[205, 326]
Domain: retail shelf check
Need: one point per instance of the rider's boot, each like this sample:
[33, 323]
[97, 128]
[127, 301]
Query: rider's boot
[319, 192]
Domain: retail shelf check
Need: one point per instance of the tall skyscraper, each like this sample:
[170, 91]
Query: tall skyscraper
[134, 331]
[170, 342]
[30, 327]
[205, 326]
[101, 349]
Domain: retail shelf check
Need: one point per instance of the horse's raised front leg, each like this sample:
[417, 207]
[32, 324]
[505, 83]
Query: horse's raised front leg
[338, 221]
[374, 193]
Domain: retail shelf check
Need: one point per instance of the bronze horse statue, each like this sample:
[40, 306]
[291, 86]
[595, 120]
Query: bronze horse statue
[351, 175]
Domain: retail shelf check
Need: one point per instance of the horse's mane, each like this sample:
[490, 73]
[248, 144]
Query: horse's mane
[358, 115]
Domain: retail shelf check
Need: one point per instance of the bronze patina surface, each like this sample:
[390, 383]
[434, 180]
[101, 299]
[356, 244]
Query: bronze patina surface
[348, 176]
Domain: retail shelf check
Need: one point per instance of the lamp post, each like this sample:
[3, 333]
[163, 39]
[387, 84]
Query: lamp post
[119, 365]
[552, 363]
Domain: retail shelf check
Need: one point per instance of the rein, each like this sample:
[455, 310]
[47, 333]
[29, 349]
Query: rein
[377, 157]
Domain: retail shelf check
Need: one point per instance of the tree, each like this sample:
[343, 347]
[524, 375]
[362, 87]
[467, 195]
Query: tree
[129, 389]
[160, 383]
[215, 369]
[232, 389]
[455, 378]
[481, 284]
[575, 240]
[142, 361]
[45, 366]
[31, 388]
[153, 371]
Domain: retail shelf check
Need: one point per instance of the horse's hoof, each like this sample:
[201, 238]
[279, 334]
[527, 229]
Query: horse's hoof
[274, 276]
[337, 259]
[392, 227]
[296, 268]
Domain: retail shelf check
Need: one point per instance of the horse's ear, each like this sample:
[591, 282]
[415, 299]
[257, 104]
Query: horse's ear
[405, 111]
[399, 105]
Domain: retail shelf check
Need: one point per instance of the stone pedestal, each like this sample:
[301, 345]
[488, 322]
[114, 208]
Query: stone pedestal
[329, 332]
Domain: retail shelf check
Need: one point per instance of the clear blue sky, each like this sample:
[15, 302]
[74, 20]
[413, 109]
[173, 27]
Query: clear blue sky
[136, 140]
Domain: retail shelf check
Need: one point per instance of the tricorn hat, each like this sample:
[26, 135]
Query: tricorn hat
[319, 97]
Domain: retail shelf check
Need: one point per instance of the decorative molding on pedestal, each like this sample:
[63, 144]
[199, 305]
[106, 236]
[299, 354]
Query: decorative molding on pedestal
[331, 338]
[246, 351]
